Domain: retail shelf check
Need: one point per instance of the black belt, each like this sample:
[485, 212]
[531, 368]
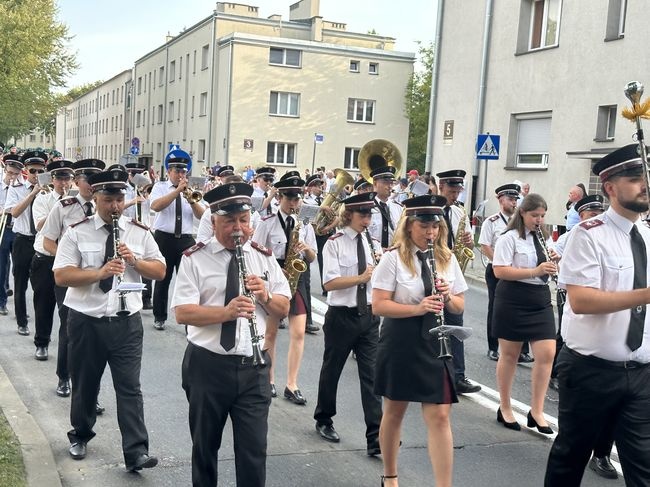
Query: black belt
[349, 309]
[41, 255]
[183, 235]
[608, 364]
[29, 237]
[105, 319]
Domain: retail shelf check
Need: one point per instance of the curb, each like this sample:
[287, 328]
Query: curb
[38, 458]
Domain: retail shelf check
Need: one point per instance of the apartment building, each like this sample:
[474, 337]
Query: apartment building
[36, 138]
[239, 89]
[554, 75]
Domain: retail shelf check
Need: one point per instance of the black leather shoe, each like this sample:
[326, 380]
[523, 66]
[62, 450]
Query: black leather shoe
[10, 292]
[63, 388]
[143, 461]
[282, 324]
[3, 311]
[99, 409]
[23, 330]
[311, 328]
[295, 397]
[603, 467]
[493, 355]
[41, 353]
[554, 384]
[464, 386]
[78, 450]
[533, 424]
[373, 449]
[327, 432]
[146, 304]
[159, 325]
[511, 426]
[274, 392]
[525, 358]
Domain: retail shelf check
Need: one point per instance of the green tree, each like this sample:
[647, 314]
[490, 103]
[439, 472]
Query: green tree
[35, 61]
[418, 92]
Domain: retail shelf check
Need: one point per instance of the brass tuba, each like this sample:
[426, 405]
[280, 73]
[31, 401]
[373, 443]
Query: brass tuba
[378, 153]
[332, 201]
[463, 253]
[293, 264]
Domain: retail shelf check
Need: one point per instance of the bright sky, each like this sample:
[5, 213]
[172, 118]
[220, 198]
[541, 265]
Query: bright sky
[110, 35]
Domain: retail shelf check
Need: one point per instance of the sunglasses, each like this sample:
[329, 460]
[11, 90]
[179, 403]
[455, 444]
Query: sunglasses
[36, 171]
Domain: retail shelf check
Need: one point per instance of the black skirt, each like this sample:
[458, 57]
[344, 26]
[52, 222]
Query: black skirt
[523, 312]
[303, 289]
[408, 367]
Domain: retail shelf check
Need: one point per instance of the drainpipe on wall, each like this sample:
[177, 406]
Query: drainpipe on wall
[227, 134]
[164, 137]
[428, 166]
[208, 148]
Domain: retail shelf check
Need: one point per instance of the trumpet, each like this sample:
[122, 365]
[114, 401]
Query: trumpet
[192, 194]
[115, 218]
[561, 293]
[258, 358]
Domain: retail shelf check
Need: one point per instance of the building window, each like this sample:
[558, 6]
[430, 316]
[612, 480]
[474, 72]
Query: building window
[172, 71]
[361, 110]
[192, 108]
[606, 123]
[179, 110]
[205, 50]
[616, 13]
[180, 67]
[533, 141]
[373, 68]
[284, 57]
[159, 151]
[201, 154]
[160, 114]
[139, 86]
[351, 160]
[32, 137]
[170, 110]
[354, 66]
[203, 104]
[161, 76]
[194, 62]
[544, 23]
[286, 104]
[280, 153]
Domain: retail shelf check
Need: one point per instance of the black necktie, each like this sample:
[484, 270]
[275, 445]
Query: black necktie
[288, 228]
[428, 320]
[88, 208]
[384, 224]
[450, 230]
[637, 315]
[32, 226]
[229, 328]
[319, 200]
[178, 222]
[362, 298]
[107, 283]
[541, 256]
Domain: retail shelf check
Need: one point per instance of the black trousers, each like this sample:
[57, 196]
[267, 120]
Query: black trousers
[595, 393]
[42, 279]
[172, 249]
[491, 281]
[218, 386]
[457, 347]
[93, 343]
[62, 368]
[320, 243]
[346, 331]
[22, 255]
[559, 341]
[5, 264]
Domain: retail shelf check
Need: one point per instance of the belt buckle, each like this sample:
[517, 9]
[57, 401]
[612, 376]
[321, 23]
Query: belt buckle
[245, 360]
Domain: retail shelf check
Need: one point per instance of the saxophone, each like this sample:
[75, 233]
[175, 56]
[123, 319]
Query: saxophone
[463, 253]
[293, 264]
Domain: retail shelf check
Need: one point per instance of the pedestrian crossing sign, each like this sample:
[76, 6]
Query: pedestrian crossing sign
[487, 146]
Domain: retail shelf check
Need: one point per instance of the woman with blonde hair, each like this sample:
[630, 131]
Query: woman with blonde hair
[408, 368]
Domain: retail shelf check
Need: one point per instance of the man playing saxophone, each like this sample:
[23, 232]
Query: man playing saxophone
[294, 245]
[450, 185]
[219, 375]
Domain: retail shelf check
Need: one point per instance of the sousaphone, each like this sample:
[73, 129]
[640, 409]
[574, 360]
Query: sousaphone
[378, 153]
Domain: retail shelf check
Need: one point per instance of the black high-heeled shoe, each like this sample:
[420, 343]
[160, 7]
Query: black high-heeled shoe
[511, 426]
[384, 477]
[542, 429]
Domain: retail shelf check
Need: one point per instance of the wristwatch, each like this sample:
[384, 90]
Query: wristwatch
[269, 297]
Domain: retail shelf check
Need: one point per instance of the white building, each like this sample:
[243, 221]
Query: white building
[235, 88]
[553, 90]
[35, 138]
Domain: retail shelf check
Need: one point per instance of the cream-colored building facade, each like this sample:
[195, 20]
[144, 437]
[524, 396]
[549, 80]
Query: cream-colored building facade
[239, 89]
[36, 138]
[553, 90]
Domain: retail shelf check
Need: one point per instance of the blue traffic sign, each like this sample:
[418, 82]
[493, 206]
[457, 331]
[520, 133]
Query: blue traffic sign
[135, 142]
[134, 150]
[175, 151]
[487, 146]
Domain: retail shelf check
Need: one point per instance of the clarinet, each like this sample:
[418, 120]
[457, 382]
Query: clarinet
[258, 359]
[375, 257]
[123, 310]
[561, 293]
[431, 262]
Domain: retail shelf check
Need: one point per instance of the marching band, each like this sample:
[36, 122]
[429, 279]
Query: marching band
[391, 269]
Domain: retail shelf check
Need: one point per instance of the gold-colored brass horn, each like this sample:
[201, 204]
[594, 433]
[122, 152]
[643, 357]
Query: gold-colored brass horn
[378, 153]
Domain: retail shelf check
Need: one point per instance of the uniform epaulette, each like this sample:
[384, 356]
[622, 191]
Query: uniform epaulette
[139, 224]
[398, 203]
[81, 221]
[589, 224]
[193, 249]
[494, 218]
[264, 218]
[335, 236]
[17, 185]
[261, 248]
[70, 200]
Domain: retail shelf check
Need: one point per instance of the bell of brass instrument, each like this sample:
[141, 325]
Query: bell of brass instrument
[634, 91]
[378, 153]
[463, 253]
[332, 200]
[192, 195]
[115, 219]
[258, 358]
[539, 235]
[293, 264]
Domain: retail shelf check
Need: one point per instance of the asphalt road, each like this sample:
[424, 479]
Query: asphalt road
[485, 452]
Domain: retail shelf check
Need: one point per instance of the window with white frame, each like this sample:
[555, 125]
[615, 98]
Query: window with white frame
[172, 71]
[205, 51]
[533, 140]
[361, 110]
[284, 57]
[354, 66]
[161, 75]
[283, 103]
[544, 23]
[373, 68]
[192, 108]
[160, 114]
[616, 13]
[351, 158]
[159, 151]
[178, 117]
[201, 150]
[203, 104]
[139, 85]
[280, 153]
[606, 123]
[170, 112]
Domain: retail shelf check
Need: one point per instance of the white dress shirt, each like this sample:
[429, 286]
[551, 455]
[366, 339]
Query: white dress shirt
[513, 251]
[201, 280]
[270, 234]
[492, 228]
[394, 210]
[165, 220]
[14, 196]
[64, 213]
[205, 230]
[43, 204]
[144, 214]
